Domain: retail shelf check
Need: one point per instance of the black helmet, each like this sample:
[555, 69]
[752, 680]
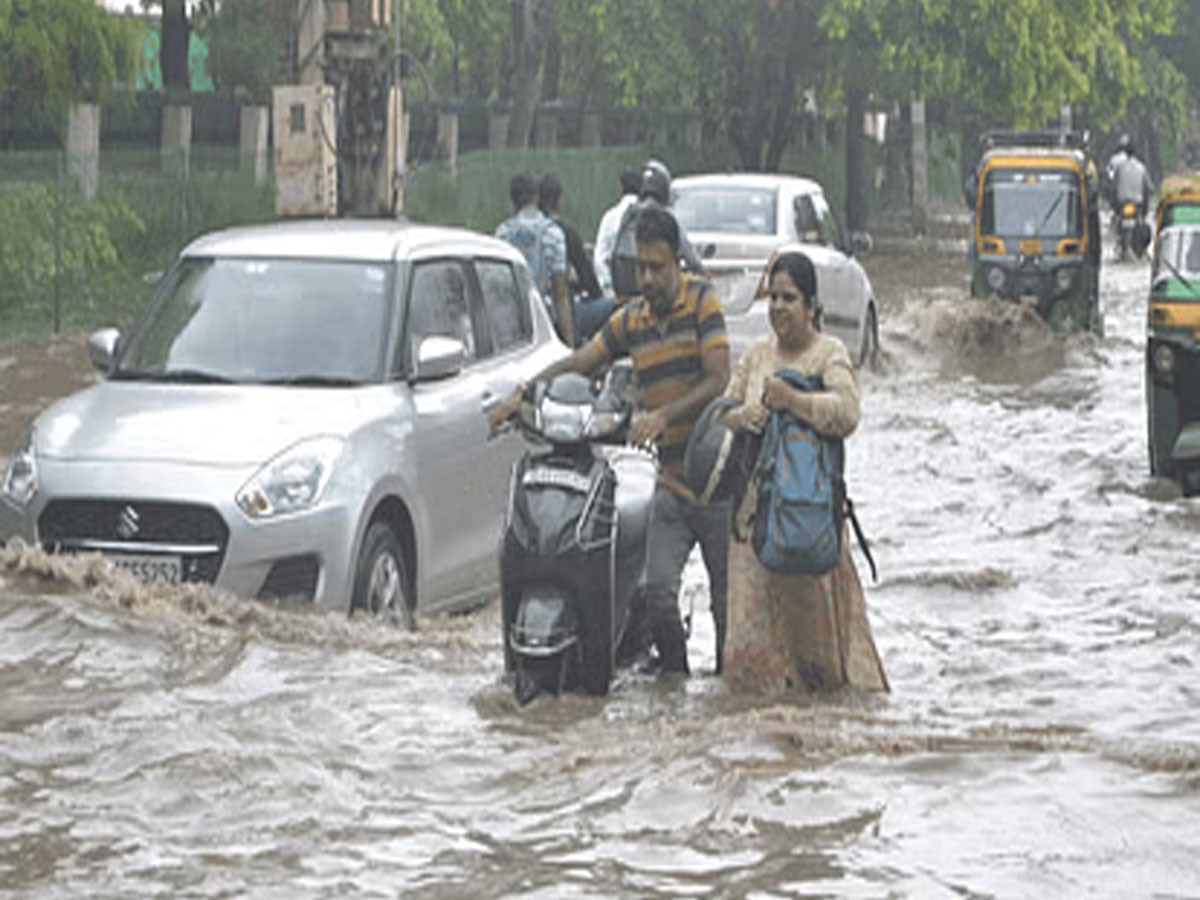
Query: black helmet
[656, 182]
[719, 461]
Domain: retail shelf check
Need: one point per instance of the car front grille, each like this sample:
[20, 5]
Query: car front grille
[196, 534]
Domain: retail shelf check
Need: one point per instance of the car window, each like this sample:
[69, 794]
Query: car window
[828, 230]
[734, 210]
[504, 304]
[808, 226]
[438, 304]
[264, 320]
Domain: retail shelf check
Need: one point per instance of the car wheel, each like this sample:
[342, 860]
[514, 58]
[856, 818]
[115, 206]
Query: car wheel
[868, 353]
[381, 582]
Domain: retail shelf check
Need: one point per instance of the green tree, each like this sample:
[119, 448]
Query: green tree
[243, 43]
[1002, 62]
[55, 54]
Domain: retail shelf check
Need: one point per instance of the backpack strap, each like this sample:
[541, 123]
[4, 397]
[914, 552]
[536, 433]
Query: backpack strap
[862, 538]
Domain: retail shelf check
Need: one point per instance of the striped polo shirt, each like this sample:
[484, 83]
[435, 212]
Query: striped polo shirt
[667, 356]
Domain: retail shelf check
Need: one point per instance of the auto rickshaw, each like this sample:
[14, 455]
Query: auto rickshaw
[1173, 335]
[1036, 235]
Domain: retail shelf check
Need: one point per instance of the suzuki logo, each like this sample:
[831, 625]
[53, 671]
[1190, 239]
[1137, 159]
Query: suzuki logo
[128, 523]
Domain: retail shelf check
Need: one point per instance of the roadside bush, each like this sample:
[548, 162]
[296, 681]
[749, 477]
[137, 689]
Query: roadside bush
[60, 259]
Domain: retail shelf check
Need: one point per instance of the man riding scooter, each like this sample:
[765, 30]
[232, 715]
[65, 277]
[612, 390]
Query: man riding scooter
[675, 335]
[1132, 189]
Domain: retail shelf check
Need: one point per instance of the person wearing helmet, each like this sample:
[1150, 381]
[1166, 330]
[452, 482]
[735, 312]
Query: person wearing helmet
[654, 192]
[1132, 181]
[1110, 168]
[795, 632]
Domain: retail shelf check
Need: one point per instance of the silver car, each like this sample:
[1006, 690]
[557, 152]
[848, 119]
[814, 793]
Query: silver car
[297, 414]
[736, 221]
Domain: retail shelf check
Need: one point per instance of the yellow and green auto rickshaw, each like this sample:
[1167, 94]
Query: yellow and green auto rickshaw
[1036, 235]
[1173, 335]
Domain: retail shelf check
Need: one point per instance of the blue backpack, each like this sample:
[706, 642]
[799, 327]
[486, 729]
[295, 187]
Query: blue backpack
[802, 505]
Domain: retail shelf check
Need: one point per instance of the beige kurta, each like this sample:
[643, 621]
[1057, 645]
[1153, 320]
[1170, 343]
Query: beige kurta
[798, 632]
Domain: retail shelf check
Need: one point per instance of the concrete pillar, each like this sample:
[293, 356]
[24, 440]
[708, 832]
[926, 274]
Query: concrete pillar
[497, 130]
[447, 140]
[254, 125]
[177, 137]
[693, 132]
[547, 128]
[920, 169]
[660, 133]
[591, 136]
[398, 148]
[83, 147]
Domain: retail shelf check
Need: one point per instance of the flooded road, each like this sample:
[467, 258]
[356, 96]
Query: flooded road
[1038, 612]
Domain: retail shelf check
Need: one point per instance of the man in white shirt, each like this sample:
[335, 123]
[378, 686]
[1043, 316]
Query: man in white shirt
[610, 223]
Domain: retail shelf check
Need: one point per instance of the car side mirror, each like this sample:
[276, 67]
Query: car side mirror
[860, 243]
[708, 251]
[102, 348]
[439, 356]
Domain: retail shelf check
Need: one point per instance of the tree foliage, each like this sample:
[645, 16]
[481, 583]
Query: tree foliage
[243, 41]
[1008, 61]
[58, 53]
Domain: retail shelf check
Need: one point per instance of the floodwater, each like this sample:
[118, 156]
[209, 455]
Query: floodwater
[1038, 612]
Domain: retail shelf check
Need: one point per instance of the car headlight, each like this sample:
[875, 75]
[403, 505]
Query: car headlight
[293, 480]
[995, 278]
[20, 478]
[1062, 280]
[1164, 359]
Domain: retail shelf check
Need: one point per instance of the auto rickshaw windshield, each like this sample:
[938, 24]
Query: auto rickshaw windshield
[1031, 203]
[1177, 270]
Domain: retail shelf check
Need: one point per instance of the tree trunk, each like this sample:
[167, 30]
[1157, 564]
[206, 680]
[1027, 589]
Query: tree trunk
[552, 70]
[526, 71]
[174, 52]
[858, 196]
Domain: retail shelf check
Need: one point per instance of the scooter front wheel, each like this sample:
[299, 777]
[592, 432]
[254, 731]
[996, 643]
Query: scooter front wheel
[535, 677]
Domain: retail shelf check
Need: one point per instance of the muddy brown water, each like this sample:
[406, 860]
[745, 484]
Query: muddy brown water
[1038, 611]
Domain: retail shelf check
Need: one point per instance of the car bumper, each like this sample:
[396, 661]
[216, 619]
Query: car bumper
[86, 501]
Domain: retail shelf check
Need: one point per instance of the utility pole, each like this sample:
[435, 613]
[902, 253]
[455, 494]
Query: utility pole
[354, 82]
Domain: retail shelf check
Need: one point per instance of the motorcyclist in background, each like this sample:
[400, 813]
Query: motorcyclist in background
[1110, 169]
[1132, 182]
[1133, 185]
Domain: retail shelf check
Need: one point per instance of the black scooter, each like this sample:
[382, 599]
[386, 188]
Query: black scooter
[573, 552]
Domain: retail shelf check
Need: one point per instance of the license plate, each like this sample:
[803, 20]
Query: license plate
[150, 569]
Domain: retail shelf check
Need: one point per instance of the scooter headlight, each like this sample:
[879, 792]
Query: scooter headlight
[603, 422]
[1063, 279]
[563, 421]
[995, 278]
[20, 478]
[1164, 359]
[293, 480]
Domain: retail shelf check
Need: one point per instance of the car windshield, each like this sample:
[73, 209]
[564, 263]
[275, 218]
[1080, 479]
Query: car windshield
[732, 210]
[287, 321]
[1177, 273]
[1031, 203]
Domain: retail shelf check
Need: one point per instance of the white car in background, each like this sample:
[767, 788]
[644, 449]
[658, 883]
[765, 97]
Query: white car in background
[737, 221]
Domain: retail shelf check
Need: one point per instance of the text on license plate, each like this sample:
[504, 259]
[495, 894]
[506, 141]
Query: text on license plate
[150, 569]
